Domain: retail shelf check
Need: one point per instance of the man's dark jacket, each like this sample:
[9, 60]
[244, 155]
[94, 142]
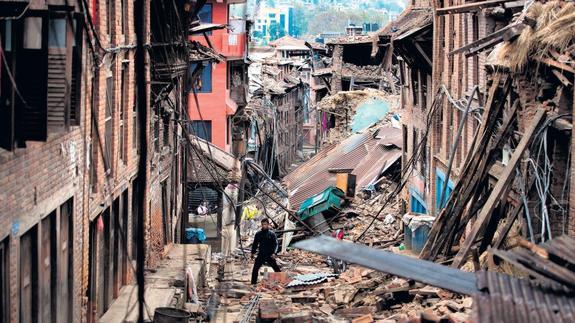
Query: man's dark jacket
[267, 242]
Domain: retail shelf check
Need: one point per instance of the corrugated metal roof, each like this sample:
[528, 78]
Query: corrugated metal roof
[508, 299]
[357, 150]
[310, 279]
[376, 163]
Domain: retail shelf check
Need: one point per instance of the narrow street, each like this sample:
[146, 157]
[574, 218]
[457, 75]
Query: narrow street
[287, 161]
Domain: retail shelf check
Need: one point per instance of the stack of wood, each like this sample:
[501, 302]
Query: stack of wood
[470, 198]
[551, 262]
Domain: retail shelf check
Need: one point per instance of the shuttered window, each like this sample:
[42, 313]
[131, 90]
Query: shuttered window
[39, 91]
[32, 79]
[75, 91]
[58, 75]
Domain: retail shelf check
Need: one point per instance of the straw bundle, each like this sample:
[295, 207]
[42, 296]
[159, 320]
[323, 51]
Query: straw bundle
[555, 29]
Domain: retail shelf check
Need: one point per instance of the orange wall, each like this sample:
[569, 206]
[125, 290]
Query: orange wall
[220, 38]
[213, 105]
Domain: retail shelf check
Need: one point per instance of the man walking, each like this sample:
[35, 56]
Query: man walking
[267, 243]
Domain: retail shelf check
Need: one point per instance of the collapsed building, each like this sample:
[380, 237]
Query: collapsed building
[279, 107]
[509, 163]
[486, 92]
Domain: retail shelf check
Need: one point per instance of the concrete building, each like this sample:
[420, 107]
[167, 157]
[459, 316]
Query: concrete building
[221, 88]
[272, 23]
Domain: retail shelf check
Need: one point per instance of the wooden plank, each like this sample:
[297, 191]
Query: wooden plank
[485, 39]
[562, 78]
[506, 177]
[468, 7]
[422, 52]
[553, 63]
[483, 46]
[502, 234]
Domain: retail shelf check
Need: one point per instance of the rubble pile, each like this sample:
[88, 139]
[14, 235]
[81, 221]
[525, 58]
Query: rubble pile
[307, 290]
[343, 105]
[362, 72]
[357, 295]
[349, 100]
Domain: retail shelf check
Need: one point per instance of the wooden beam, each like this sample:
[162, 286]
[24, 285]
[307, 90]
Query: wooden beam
[498, 35]
[558, 65]
[468, 7]
[498, 190]
[422, 52]
[514, 4]
[562, 78]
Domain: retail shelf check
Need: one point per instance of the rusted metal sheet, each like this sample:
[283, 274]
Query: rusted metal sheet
[367, 154]
[376, 162]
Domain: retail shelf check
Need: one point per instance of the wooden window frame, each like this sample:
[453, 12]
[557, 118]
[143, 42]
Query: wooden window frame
[109, 122]
[123, 123]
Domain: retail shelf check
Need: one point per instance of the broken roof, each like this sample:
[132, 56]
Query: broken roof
[225, 165]
[200, 53]
[544, 32]
[367, 154]
[292, 43]
[411, 20]
[358, 39]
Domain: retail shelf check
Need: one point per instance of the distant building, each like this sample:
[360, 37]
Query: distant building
[353, 30]
[273, 23]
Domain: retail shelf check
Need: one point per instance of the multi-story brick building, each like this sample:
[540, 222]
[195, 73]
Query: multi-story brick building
[70, 149]
[410, 39]
[221, 88]
[42, 163]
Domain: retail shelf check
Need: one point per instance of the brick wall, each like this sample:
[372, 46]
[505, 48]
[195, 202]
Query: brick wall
[34, 182]
[459, 75]
[38, 179]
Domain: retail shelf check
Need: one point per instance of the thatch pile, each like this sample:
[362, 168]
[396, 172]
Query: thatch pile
[554, 30]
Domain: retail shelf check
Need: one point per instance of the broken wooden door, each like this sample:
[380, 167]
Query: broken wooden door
[47, 268]
[28, 277]
[64, 311]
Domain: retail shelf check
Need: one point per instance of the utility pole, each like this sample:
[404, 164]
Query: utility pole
[140, 56]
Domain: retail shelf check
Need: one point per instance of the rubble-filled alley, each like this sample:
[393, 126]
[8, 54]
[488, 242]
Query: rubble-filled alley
[217, 161]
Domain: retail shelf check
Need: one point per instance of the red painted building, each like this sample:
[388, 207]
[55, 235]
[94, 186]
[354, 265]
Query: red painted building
[221, 86]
